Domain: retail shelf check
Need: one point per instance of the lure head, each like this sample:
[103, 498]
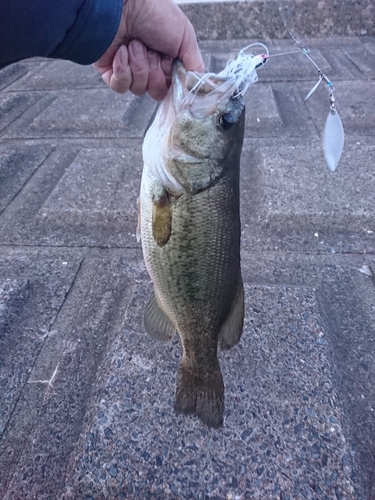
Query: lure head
[262, 58]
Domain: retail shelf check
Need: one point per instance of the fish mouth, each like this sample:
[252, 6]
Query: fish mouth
[203, 94]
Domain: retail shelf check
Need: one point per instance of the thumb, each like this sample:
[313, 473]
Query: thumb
[189, 52]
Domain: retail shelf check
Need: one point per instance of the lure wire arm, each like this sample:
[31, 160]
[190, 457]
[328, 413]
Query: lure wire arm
[322, 77]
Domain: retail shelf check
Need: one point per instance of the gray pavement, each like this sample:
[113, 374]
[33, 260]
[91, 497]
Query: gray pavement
[86, 397]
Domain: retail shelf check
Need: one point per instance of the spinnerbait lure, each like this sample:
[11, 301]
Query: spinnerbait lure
[333, 135]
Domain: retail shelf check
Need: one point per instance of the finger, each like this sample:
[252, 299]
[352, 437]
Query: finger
[139, 67]
[104, 64]
[156, 85]
[189, 53]
[121, 78]
[106, 74]
[166, 66]
[104, 71]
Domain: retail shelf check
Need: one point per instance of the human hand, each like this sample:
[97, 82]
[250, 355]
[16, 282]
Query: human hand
[151, 34]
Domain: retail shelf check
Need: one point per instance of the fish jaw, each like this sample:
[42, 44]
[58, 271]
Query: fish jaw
[203, 94]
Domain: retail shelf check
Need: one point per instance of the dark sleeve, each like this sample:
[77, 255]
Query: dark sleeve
[77, 30]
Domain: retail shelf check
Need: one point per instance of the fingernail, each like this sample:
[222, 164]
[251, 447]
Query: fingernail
[123, 55]
[138, 50]
[153, 60]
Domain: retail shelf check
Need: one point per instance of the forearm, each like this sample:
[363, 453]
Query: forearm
[76, 30]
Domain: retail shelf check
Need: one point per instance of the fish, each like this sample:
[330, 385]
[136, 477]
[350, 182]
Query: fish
[189, 226]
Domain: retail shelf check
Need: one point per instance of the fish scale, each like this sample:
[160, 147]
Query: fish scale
[200, 255]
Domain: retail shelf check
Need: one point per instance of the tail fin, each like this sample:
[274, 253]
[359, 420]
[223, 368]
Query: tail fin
[202, 394]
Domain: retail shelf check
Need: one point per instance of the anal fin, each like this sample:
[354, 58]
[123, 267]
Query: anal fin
[231, 330]
[156, 322]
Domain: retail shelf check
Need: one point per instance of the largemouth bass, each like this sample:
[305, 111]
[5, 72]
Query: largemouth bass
[189, 224]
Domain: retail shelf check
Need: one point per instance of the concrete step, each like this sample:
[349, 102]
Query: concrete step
[228, 20]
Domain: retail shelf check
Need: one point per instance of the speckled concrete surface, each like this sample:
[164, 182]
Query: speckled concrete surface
[282, 430]
[86, 399]
[104, 427]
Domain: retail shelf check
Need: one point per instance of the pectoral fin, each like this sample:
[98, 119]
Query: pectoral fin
[231, 330]
[156, 322]
[161, 218]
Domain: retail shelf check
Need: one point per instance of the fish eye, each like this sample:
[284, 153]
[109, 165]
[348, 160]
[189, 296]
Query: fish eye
[226, 121]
